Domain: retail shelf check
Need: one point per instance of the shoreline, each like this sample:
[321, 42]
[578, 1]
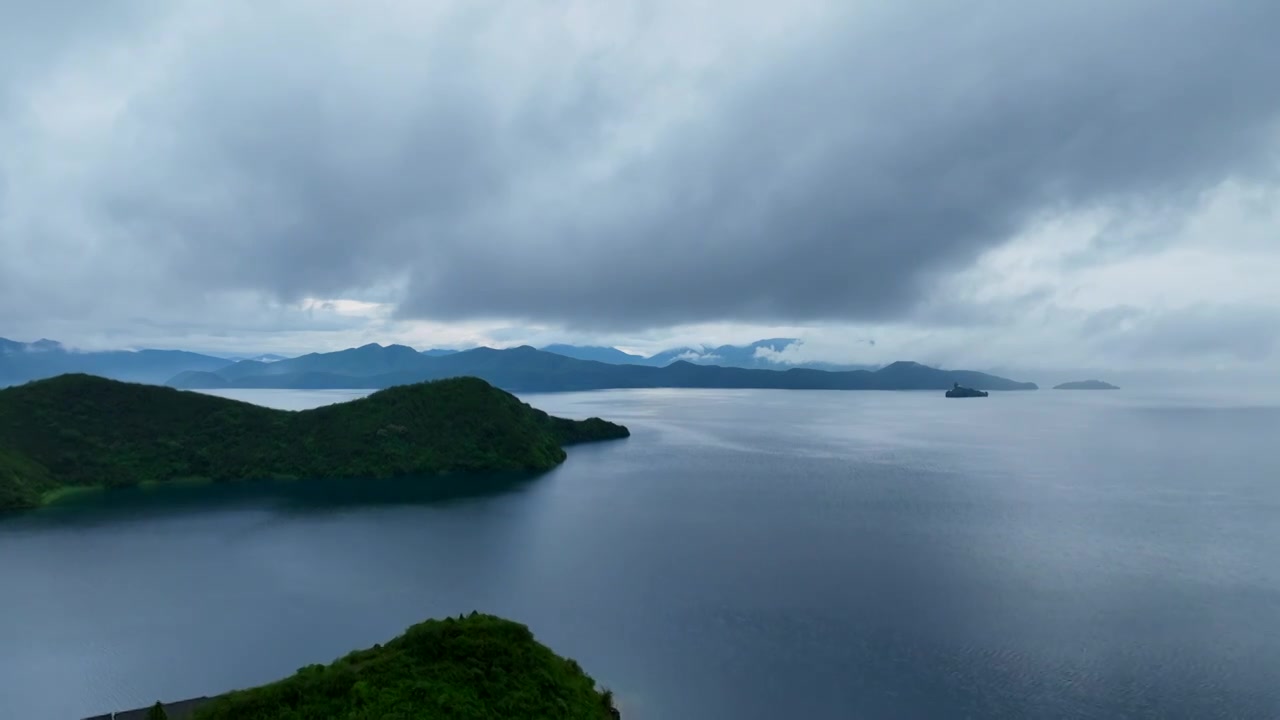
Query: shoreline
[176, 710]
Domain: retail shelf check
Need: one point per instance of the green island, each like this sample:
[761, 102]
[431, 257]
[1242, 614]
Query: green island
[466, 668]
[479, 666]
[81, 431]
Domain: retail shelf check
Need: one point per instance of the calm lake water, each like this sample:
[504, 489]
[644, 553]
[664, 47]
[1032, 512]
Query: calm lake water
[746, 554]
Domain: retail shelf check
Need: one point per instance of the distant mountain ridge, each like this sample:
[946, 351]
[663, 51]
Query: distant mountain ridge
[525, 369]
[759, 355]
[610, 355]
[264, 357]
[22, 362]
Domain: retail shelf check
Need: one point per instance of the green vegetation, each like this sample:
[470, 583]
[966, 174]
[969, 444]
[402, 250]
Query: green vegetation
[477, 667]
[157, 712]
[78, 431]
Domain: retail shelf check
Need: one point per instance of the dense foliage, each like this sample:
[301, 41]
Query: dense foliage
[80, 430]
[477, 667]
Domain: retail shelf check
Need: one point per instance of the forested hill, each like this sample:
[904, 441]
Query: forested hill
[471, 668]
[81, 430]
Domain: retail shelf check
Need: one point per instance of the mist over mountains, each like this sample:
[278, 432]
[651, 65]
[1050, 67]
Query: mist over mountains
[21, 362]
[760, 355]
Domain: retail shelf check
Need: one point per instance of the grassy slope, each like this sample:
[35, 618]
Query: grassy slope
[80, 430]
[463, 669]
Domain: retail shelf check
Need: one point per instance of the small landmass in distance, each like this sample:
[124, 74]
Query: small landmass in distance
[1085, 385]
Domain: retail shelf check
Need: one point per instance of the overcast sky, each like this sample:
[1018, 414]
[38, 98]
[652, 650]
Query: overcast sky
[1093, 183]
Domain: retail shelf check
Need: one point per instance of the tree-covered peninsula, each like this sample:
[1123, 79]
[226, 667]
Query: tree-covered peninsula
[85, 431]
[472, 668]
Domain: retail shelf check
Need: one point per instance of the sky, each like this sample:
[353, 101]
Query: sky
[1093, 184]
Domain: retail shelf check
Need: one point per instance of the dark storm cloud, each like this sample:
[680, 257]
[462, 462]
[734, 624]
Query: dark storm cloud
[499, 165]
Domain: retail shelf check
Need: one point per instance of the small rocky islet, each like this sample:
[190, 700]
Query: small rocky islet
[1085, 385]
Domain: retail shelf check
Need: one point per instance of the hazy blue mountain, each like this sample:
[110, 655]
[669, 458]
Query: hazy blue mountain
[905, 375]
[599, 354]
[437, 352]
[270, 357]
[21, 362]
[756, 355]
[1086, 385]
[264, 357]
[725, 355]
[367, 359]
[525, 369]
[371, 359]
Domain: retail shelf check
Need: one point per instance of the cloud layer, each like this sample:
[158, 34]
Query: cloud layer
[603, 168]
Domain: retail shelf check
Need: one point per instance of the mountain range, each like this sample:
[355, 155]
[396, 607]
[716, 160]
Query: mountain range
[526, 369]
[554, 368]
[759, 355]
[21, 362]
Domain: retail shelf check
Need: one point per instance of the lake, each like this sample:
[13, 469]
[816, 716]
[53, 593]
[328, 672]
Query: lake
[745, 554]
